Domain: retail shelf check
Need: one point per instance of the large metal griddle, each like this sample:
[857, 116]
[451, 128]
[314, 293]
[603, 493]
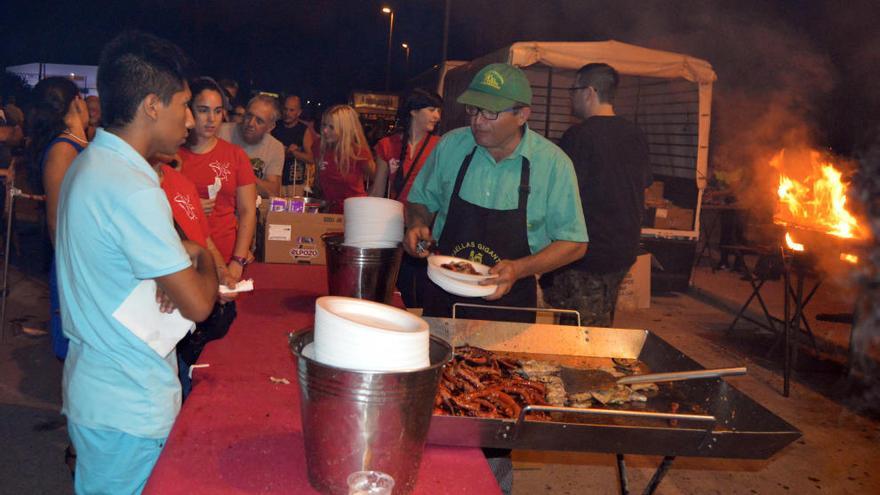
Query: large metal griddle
[714, 419]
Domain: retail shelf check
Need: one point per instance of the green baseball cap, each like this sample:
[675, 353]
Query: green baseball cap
[497, 87]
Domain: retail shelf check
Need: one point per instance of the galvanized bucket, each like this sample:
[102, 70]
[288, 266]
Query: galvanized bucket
[365, 421]
[364, 273]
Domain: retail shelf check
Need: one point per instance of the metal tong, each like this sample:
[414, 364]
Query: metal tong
[427, 245]
[576, 380]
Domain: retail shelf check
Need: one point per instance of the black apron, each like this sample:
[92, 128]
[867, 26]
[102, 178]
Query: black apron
[485, 236]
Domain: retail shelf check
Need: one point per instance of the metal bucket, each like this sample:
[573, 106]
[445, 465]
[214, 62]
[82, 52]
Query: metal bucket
[365, 421]
[364, 273]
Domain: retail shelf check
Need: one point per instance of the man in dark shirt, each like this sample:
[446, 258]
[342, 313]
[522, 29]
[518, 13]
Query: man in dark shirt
[610, 156]
[297, 138]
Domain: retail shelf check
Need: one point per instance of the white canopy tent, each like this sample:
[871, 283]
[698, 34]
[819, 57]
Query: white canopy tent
[625, 58]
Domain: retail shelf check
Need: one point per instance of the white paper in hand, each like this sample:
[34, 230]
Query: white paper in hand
[141, 315]
[245, 285]
[214, 188]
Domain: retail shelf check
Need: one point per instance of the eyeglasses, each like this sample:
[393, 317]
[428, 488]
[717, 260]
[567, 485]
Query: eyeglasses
[487, 114]
[572, 89]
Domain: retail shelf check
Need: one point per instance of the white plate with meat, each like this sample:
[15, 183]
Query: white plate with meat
[459, 268]
[459, 287]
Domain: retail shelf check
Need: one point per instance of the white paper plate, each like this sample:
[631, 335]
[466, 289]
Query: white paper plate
[364, 335]
[372, 244]
[435, 260]
[390, 232]
[373, 219]
[459, 287]
[309, 350]
[372, 203]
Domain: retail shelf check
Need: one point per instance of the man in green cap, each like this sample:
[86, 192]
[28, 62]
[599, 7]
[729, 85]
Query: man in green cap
[497, 193]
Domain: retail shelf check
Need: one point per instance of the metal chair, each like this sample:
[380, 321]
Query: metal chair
[763, 272]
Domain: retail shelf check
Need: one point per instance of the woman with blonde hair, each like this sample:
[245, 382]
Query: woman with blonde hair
[343, 157]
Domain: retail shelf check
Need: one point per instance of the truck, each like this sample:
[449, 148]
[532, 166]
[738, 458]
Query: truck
[668, 95]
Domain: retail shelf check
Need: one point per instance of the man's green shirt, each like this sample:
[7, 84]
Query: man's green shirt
[554, 210]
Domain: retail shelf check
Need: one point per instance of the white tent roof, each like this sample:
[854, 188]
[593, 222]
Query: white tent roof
[625, 58]
[629, 60]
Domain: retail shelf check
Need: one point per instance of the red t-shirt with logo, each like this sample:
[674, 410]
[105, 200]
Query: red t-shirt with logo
[388, 149]
[230, 164]
[336, 186]
[185, 206]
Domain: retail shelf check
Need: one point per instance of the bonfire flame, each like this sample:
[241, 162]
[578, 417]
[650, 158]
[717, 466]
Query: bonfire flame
[849, 258]
[794, 246]
[817, 200]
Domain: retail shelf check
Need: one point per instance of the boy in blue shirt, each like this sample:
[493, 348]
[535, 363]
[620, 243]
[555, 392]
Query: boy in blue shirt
[117, 252]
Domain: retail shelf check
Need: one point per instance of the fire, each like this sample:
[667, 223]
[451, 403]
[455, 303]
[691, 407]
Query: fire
[849, 258]
[817, 200]
[794, 246]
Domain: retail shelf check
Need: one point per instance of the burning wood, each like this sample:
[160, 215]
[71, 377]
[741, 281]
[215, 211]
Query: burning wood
[815, 200]
[849, 258]
[794, 246]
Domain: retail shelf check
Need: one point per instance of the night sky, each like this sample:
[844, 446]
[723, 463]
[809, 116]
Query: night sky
[810, 63]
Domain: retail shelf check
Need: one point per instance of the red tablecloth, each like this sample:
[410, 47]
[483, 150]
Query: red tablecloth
[241, 433]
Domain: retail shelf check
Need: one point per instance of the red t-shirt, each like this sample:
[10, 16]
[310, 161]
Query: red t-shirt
[229, 163]
[185, 206]
[336, 186]
[388, 149]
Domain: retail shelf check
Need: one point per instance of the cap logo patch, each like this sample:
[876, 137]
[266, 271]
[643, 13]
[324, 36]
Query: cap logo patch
[493, 79]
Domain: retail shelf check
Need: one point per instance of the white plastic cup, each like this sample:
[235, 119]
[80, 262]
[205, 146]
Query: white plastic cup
[370, 483]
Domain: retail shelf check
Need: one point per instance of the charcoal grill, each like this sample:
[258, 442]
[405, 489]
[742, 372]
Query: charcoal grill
[713, 419]
[799, 267]
[803, 272]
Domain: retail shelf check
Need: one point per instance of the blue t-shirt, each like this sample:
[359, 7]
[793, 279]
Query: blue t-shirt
[114, 230]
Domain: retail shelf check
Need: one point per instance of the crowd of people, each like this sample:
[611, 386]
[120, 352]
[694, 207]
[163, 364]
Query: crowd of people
[151, 193]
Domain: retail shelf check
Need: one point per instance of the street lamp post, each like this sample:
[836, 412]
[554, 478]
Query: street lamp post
[405, 46]
[387, 10]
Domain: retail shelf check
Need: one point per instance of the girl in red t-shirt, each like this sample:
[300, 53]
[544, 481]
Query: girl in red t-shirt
[207, 159]
[343, 157]
[192, 224]
[189, 217]
[185, 206]
[400, 156]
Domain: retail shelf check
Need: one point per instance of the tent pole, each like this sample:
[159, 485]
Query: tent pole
[10, 208]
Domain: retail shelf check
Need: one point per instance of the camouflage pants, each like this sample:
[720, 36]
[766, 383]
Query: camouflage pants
[593, 295]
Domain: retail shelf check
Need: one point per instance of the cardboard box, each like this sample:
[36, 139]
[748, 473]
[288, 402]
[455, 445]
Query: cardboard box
[635, 289]
[294, 190]
[296, 237]
[674, 218]
[654, 194]
[294, 204]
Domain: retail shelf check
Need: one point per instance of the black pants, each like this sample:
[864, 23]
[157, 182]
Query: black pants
[215, 327]
[409, 282]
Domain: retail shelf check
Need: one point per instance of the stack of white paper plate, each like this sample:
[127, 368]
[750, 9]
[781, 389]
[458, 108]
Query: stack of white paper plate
[373, 222]
[369, 336]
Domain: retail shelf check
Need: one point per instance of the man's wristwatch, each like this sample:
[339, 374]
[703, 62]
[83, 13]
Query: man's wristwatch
[240, 260]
